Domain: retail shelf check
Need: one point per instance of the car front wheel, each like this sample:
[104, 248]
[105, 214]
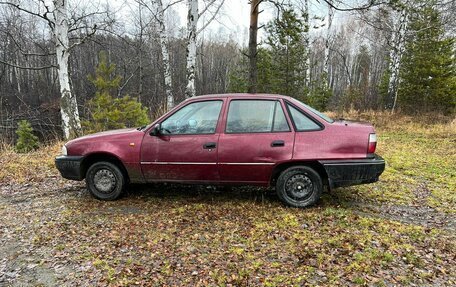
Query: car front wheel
[105, 180]
[299, 186]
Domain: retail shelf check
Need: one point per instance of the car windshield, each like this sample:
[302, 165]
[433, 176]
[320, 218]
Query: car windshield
[318, 113]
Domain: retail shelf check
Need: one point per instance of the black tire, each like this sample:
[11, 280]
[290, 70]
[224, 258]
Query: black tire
[105, 180]
[299, 186]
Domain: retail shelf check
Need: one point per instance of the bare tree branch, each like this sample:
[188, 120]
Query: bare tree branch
[87, 36]
[28, 68]
[75, 21]
[26, 54]
[370, 4]
[206, 8]
[172, 4]
[44, 16]
[212, 17]
[126, 82]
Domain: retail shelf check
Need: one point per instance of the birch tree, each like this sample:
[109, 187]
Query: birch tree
[307, 42]
[57, 17]
[192, 23]
[193, 17]
[396, 53]
[326, 64]
[158, 9]
[71, 123]
[163, 40]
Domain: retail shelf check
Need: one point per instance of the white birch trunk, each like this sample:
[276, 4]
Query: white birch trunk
[18, 79]
[71, 124]
[396, 53]
[165, 54]
[307, 44]
[192, 23]
[327, 44]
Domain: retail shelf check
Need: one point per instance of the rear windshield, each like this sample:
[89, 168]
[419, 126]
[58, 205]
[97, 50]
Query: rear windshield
[318, 113]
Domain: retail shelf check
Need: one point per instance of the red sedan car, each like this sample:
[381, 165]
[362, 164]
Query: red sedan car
[246, 139]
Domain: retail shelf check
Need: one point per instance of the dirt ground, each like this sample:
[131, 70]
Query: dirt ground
[54, 233]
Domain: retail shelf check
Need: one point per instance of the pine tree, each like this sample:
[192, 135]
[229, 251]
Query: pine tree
[429, 72]
[266, 71]
[281, 63]
[285, 37]
[26, 141]
[107, 112]
[238, 77]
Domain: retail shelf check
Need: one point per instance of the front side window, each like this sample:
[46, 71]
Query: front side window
[302, 121]
[195, 118]
[256, 116]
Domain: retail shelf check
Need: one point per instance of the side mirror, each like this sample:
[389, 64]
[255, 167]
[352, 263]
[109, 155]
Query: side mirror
[156, 130]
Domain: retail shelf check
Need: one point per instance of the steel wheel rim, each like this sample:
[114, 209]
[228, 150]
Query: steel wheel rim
[105, 181]
[299, 187]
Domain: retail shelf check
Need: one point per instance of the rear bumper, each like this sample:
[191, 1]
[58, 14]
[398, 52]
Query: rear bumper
[70, 166]
[353, 172]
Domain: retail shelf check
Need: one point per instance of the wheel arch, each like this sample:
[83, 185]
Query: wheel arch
[317, 166]
[102, 156]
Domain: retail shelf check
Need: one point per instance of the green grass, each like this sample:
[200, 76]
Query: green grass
[421, 166]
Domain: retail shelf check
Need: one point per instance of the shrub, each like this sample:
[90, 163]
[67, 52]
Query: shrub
[26, 141]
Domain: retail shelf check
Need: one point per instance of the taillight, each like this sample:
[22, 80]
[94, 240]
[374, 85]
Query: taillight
[372, 143]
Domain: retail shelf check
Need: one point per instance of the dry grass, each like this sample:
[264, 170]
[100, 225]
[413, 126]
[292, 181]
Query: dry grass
[34, 166]
[387, 120]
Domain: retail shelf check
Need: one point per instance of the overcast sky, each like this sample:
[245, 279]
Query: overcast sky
[234, 18]
[232, 21]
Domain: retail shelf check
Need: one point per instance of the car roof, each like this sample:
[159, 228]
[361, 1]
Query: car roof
[241, 95]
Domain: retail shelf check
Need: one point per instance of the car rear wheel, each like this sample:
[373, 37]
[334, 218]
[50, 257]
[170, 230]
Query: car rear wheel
[105, 180]
[299, 186]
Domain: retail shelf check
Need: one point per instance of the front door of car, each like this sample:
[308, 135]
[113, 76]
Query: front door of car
[185, 147]
[257, 136]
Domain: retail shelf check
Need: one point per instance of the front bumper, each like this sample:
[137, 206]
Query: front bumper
[353, 172]
[70, 166]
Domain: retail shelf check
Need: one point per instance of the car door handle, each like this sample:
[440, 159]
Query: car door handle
[209, 145]
[278, 143]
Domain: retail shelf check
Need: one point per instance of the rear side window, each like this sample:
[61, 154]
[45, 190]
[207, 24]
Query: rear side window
[256, 116]
[302, 121]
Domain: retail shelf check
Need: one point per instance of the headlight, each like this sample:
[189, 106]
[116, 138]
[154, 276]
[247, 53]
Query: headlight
[64, 150]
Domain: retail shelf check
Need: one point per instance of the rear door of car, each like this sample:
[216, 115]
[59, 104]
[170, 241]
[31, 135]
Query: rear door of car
[257, 135]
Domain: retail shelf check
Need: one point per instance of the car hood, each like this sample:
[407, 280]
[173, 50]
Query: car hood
[112, 134]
